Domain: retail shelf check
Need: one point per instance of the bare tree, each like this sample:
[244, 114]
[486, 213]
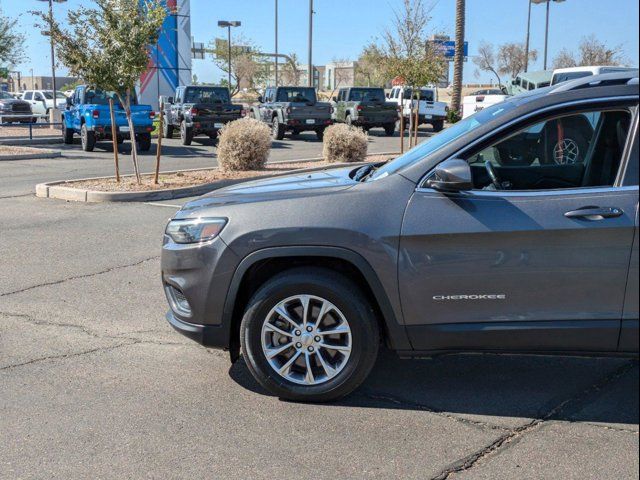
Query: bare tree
[458, 58]
[564, 59]
[343, 73]
[290, 72]
[591, 51]
[245, 67]
[512, 58]
[486, 60]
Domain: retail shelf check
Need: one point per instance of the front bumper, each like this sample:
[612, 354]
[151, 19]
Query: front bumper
[215, 336]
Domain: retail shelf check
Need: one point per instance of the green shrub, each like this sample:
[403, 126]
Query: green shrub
[345, 143]
[244, 145]
[453, 116]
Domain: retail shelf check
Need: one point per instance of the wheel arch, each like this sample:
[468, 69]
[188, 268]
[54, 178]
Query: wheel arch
[259, 266]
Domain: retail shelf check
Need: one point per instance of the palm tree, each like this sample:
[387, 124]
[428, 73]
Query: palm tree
[458, 57]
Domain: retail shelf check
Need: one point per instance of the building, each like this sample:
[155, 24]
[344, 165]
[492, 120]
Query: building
[29, 82]
[339, 74]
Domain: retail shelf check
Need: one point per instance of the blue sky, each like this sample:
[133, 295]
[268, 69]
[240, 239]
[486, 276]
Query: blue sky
[342, 27]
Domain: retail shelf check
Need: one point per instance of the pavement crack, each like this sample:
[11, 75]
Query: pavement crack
[503, 441]
[420, 406]
[67, 355]
[77, 277]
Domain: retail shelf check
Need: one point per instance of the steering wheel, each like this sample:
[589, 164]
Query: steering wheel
[492, 175]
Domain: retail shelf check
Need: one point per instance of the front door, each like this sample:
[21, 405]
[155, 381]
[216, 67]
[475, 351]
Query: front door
[536, 256]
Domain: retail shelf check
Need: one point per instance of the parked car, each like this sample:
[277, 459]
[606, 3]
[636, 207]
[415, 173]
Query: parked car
[430, 110]
[293, 109]
[14, 110]
[514, 230]
[42, 101]
[527, 81]
[87, 114]
[199, 110]
[571, 73]
[365, 107]
[480, 99]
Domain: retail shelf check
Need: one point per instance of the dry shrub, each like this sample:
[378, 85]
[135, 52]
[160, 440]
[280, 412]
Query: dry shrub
[244, 145]
[344, 143]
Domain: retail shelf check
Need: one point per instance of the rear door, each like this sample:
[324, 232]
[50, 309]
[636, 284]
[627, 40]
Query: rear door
[539, 263]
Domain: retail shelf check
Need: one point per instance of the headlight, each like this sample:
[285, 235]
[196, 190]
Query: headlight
[195, 230]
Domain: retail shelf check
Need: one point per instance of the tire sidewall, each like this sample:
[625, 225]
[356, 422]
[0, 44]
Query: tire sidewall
[364, 338]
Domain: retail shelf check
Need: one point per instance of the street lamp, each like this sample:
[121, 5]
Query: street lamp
[53, 58]
[310, 66]
[226, 24]
[546, 30]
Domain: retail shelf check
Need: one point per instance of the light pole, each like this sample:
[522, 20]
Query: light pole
[276, 55]
[53, 58]
[228, 25]
[546, 29]
[310, 66]
[526, 44]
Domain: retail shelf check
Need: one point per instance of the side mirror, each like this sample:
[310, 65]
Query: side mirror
[334, 99]
[170, 100]
[260, 99]
[69, 102]
[386, 95]
[452, 175]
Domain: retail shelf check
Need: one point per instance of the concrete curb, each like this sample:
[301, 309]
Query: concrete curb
[62, 191]
[21, 142]
[30, 156]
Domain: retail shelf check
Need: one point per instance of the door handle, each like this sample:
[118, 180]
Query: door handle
[594, 213]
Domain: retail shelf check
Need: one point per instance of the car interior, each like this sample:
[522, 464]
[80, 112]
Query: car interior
[572, 151]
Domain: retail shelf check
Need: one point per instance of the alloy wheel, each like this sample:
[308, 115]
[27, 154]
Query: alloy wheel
[306, 339]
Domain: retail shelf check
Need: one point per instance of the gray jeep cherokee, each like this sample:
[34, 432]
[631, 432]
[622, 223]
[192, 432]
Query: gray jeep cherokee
[514, 230]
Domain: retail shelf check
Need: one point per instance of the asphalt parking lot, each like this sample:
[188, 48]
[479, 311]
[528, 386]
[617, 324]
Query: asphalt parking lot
[95, 384]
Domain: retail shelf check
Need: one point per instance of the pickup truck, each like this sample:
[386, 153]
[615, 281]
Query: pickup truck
[293, 109]
[87, 114]
[365, 107]
[198, 110]
[430, 110]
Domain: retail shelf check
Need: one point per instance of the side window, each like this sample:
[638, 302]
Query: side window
[571, 151]
[28, 96]
[518, 81]
[38, 97]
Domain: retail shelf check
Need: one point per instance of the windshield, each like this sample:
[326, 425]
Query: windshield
[367, 95]
[101, 97]
[425, 94]
[5, 95]
[564, 77]
[443, 138]
[302, 94]
[48, 94]
[206, 95]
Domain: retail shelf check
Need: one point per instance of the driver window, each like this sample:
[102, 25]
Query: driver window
[571, 151]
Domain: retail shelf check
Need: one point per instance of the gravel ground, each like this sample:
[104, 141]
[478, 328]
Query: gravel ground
[23, 131]
[8, 151]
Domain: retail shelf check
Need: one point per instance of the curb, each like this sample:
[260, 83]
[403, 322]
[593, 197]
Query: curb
[30, 156]
[61, 191]
[34, 141]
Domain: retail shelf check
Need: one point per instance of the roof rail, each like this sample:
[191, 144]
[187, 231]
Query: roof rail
[629, 77]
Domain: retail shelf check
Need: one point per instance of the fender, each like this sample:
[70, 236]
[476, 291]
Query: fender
[280, 115]
[396, 332]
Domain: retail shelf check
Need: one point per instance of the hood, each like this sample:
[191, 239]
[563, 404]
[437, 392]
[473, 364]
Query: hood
[301, 184]
[12, 101]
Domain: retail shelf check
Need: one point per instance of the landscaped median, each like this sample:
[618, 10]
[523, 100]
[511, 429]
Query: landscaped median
[175, 184]
[25, 153]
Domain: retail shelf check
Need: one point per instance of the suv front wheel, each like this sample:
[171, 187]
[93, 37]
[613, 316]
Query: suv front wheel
[309, 335]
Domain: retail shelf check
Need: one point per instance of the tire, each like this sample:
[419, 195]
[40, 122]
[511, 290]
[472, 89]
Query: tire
[119, 139]
[389, 129]
[186, 133]
[277, 129]
[67, 133]
[167, 130]
[350, 369]
[87, 138]
[438, 125]
[144, 141]
[320, 134]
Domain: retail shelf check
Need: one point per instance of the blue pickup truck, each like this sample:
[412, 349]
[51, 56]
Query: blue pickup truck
[87, 114]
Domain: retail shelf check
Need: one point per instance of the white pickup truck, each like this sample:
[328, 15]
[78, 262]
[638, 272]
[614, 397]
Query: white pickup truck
[481, 99]
[430, 110]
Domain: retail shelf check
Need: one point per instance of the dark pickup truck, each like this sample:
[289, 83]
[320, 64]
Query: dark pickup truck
[365, 107]
[293, 109]
[197, 110]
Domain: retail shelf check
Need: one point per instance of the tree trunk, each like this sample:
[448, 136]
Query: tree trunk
[417, 119]
[159, 148]
[132, 134]
[459, 57]
[114, 138]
